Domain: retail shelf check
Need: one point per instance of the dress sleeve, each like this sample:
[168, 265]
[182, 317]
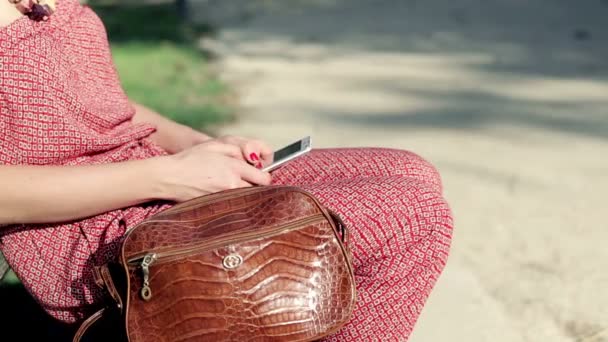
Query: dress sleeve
[8, 147]
[3, 131]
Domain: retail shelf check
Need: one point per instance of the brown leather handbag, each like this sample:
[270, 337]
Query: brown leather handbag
[254, 264]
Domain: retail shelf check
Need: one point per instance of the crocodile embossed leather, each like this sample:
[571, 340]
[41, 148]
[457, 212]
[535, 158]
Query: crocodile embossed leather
[253, 264]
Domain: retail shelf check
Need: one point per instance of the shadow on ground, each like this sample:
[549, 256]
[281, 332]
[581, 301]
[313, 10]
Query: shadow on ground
[478, 111]
[472, 64]
[131, 23]
[546, 38]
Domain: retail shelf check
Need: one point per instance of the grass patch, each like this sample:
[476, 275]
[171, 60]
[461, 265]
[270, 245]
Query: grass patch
[10, 279]
[160, 65]
[172, 80]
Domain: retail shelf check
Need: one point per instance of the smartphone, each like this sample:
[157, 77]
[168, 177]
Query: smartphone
[289, 153]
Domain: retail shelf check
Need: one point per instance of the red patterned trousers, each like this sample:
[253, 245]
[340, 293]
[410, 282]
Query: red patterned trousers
[400, 226]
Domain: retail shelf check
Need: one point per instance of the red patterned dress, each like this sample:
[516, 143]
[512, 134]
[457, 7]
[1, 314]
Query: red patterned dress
[61, 103]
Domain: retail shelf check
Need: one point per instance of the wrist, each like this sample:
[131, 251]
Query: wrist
[158, 173]
[197, 137]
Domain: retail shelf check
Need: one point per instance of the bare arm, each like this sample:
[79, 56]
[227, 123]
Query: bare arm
[170, 135]
[49, 194]
[52, 194]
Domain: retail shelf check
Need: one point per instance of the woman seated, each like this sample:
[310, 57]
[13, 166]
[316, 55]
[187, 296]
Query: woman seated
[80, 163]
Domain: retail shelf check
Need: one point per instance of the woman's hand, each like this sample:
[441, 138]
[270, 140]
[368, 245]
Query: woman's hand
[207, 168]
[255, 152]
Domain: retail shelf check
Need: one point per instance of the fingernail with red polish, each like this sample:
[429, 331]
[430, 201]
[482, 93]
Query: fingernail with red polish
[258, 165]
[254, 157]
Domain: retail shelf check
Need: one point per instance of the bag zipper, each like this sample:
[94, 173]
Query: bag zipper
[147, 261]
[144, 262]
[185, 206]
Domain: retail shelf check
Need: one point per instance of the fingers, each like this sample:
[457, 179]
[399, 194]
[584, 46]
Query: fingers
[252, 155]
[239, 143]
[223, 148]
[261, 149]
[252, 175]
[243, 184]
[256, 152]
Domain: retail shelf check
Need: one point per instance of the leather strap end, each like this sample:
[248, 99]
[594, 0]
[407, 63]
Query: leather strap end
[109, 285]
[84, 327]
[98, 278]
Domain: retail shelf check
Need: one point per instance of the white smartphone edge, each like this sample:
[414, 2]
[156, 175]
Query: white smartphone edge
[306, 147]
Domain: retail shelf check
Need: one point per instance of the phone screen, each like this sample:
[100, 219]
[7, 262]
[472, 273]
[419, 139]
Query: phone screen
[287, 151]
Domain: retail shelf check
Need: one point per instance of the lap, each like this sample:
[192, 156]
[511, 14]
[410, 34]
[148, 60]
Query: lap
[400, 235]
[329, 165]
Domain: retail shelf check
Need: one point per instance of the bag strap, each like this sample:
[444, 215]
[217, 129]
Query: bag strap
[86, 325]
[103, 279]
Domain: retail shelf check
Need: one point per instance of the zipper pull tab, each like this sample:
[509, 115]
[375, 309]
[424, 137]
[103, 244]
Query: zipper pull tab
[146, 292]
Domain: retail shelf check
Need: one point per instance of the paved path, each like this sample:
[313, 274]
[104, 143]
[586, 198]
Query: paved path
[508, 99]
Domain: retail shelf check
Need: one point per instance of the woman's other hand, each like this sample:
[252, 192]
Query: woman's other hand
[255, 152]
[207, 168]
[184, 137]
[173, 137]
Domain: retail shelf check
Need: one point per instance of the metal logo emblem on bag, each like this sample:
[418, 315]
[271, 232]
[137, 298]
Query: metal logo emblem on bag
[232, 261]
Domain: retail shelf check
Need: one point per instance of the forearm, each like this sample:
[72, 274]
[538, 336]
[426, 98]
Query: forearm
[170, 135]
[145, 114]
[41, 194]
